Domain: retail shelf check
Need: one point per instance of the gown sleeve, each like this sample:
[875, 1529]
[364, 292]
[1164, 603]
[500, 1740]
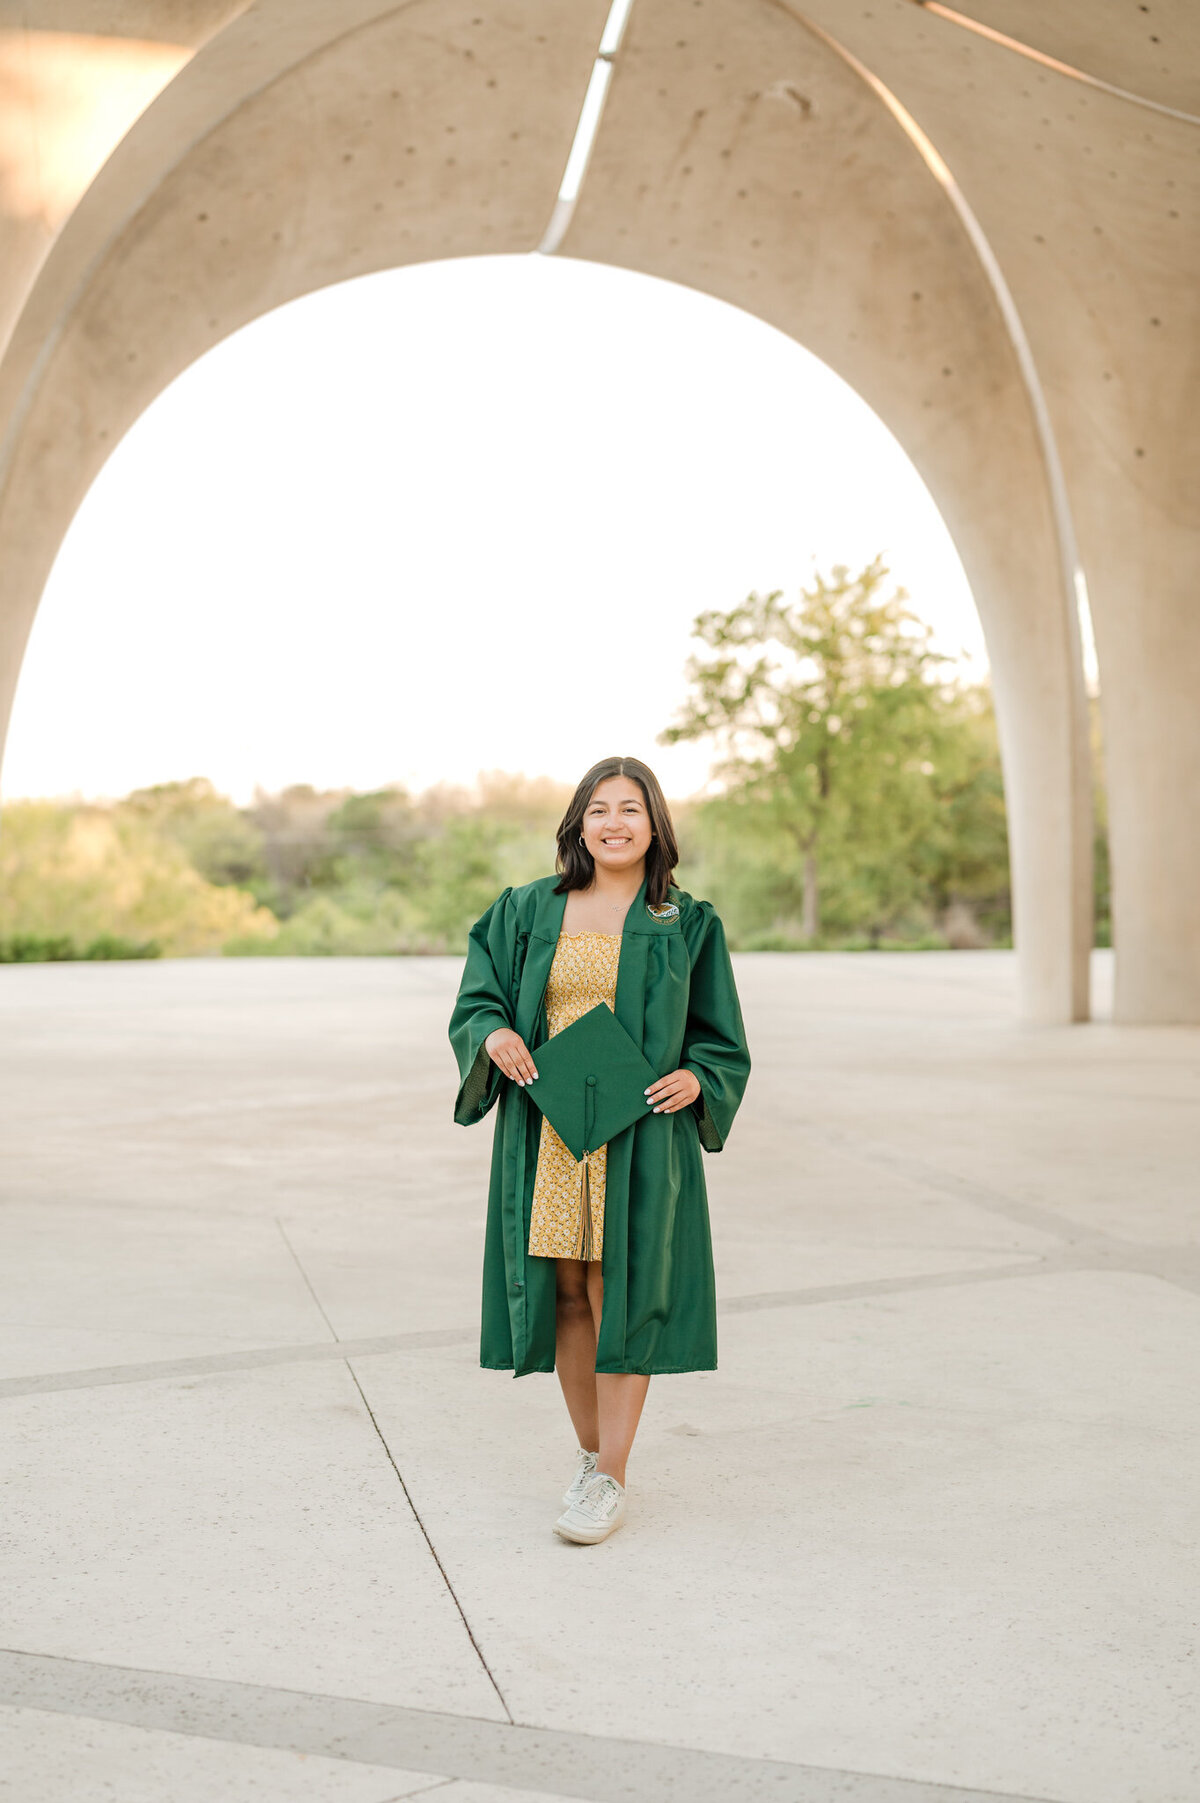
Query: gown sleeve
[714, 1040]
[482, 1005]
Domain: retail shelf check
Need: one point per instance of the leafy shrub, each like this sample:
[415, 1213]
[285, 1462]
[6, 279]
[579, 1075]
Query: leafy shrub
[28, 948]
[92, 875]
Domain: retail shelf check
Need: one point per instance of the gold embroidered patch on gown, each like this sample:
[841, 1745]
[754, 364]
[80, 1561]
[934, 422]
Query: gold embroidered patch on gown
[567, 1216]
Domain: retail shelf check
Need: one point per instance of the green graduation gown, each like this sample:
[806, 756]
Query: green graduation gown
[676, 996]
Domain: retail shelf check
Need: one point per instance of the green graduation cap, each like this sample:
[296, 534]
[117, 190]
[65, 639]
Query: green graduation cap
[591, 1080]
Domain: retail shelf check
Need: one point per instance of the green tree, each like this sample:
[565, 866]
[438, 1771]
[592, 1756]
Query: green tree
[830, 720]
[219, 840]
[963, 861]
[1101, 857]
[87, 874]
[299, 854]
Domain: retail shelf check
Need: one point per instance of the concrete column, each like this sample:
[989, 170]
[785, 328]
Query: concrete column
[1091, 200]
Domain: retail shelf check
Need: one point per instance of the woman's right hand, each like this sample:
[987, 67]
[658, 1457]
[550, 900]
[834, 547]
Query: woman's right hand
[509, 1051]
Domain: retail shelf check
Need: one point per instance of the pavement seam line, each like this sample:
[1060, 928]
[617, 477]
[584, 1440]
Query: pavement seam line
[416, 1513]
[1155, 1260]
[218, 1364]
[283, 1233]
[878, 1155]
[170, 1701]
[422, 1790]
[395, 1467]
[354, 1378]
[1048, 1265]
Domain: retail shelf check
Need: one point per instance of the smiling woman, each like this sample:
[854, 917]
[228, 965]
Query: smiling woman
[601, 1267]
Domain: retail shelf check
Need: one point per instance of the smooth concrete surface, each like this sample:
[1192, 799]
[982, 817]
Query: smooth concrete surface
[40, 1750]
[1152, 51]
[922, 1538]
[250, 1526]
[44, 1754]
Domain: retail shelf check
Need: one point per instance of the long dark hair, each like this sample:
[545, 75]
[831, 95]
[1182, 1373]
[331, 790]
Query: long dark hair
[575, 861]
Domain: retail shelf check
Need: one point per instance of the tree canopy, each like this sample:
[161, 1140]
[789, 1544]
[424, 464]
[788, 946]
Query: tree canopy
[839, 734]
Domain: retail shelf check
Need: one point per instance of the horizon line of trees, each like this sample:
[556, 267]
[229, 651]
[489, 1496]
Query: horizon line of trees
[860, 804]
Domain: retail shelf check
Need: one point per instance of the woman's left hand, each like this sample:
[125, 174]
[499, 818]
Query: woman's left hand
[673, 1091]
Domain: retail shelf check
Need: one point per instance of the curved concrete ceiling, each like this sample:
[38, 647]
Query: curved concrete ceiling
[190, 22]
[307, 144]
[1145, 47]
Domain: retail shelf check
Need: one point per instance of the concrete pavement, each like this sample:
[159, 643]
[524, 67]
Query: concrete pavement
[269, 1533]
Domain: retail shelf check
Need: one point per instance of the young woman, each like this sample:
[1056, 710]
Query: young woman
[601, 1269]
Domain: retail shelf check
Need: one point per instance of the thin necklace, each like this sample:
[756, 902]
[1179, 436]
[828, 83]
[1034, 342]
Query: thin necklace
[621, 907]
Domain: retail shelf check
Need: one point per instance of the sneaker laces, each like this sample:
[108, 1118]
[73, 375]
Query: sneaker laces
[600, 1498]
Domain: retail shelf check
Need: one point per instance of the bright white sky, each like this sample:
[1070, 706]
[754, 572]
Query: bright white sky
[452, 518]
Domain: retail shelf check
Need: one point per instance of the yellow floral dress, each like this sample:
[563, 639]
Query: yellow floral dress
[567, 1217]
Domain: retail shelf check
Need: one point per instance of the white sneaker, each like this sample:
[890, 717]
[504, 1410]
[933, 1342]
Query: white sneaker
[585, 1466]
[599, 1510]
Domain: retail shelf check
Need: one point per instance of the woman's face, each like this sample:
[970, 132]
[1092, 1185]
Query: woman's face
[616, 824]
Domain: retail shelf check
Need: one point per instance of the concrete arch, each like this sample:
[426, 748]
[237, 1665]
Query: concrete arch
[305, 143]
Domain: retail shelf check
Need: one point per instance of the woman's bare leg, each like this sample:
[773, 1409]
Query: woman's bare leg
[619, 1394]
[575, 1349]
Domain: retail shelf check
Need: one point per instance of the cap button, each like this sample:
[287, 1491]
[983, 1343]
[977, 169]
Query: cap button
[591, 1082]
